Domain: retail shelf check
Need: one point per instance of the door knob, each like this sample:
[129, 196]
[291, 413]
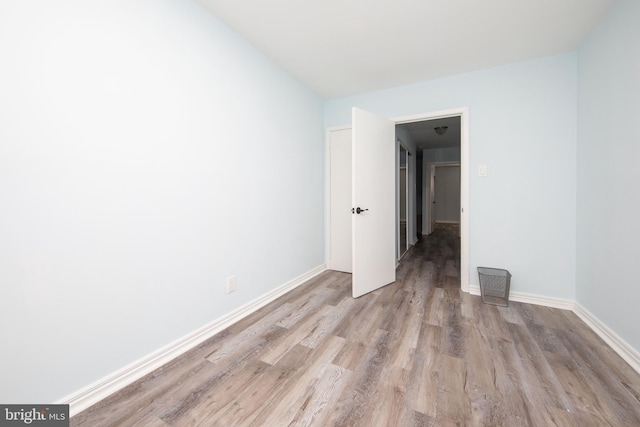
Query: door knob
[358, 210]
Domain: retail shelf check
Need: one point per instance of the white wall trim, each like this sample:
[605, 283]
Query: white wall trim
[110, 384]
[619, 345]
[563, 304]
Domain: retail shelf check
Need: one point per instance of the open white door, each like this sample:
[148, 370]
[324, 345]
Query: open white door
[373, 193]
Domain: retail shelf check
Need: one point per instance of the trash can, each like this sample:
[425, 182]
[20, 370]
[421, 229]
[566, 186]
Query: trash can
[494, 285]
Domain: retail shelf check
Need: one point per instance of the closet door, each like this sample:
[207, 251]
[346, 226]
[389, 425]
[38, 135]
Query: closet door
[339, 181]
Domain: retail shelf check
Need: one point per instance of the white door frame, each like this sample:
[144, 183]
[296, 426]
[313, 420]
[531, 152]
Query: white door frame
[463, 113]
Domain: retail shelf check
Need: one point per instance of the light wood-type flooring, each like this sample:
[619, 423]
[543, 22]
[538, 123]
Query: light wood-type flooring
[417, 352]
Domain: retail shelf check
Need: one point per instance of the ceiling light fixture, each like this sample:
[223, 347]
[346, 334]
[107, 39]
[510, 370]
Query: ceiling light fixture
[440, 130]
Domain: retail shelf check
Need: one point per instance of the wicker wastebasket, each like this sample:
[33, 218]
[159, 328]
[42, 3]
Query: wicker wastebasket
[494, 285]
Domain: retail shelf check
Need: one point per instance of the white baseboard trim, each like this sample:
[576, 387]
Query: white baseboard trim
[108, 385]
[560, 303]
[619, 345]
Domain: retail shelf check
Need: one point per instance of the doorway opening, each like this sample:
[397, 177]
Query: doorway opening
[443, 193]
[340, 211]
[440, 142]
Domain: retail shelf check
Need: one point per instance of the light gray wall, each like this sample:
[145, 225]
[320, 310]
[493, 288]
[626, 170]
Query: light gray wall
[146, 153]
[522, 124]
[609, 172]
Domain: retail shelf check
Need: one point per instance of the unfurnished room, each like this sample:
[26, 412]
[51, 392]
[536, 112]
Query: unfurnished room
[336, 213]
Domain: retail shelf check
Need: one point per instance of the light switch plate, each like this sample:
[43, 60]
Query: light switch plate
[482, 170]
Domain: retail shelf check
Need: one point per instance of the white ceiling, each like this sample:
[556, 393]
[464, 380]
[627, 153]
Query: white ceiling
[345, 47]
[425, 137]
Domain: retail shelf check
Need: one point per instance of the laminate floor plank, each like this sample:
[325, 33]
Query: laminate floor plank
[489, 318]
[417, 352]
[575, 385]
[480, 364]
[357, 396]
[520, 397]
[455, 330]
[613, 398]
[434, 310]
[453, 405]
[510, 314]
[408, 338]
[314, 409]
[293, 336]
[304, 386]
[305, 308]
[390, 410]
[422, 390]
[244, 340]
[363, 320]
[537, 370]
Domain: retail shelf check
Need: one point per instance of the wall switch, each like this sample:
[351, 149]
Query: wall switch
[482, 170]
[231, 284]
